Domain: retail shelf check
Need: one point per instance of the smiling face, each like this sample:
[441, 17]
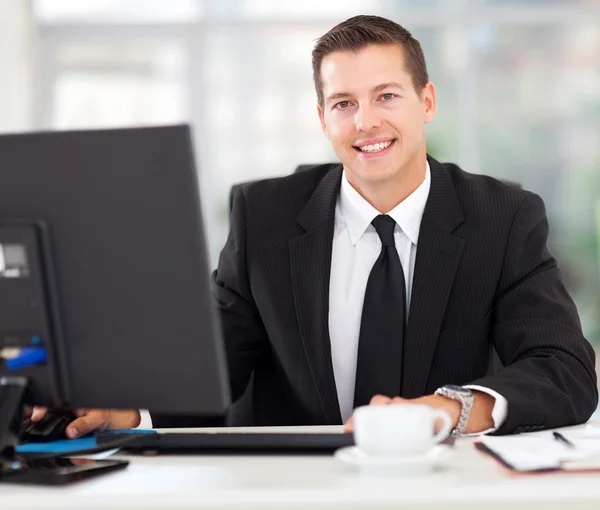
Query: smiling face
[373, 116]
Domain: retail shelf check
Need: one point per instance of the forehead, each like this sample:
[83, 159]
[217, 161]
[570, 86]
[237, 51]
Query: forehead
[355, 71]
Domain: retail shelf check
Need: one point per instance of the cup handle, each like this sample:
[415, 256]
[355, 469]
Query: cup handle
[446, 427]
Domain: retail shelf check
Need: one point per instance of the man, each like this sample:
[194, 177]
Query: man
[392, 275]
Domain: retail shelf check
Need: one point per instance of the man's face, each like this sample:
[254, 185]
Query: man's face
[372, 114]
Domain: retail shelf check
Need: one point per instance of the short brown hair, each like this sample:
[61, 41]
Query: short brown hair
[358, 32]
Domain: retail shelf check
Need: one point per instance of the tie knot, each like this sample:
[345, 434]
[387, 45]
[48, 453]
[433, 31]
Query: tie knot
[385, 225]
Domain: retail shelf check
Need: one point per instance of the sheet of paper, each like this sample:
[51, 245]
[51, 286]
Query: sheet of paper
[526, 452]
[589, 432]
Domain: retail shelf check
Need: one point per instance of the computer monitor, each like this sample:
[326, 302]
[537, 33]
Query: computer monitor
[105, 297]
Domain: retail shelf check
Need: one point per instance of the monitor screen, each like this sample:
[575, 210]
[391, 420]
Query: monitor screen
[122, 280]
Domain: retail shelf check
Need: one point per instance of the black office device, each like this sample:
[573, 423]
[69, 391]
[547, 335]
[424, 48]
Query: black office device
[229, 442]
[104, 280]
[52, 427]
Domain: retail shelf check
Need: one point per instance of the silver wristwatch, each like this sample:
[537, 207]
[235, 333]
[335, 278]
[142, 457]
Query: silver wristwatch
[465, 397]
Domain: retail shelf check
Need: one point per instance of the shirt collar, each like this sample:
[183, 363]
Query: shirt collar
[358, 213]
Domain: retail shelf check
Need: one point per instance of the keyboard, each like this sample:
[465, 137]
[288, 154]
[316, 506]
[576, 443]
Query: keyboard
[227, 442]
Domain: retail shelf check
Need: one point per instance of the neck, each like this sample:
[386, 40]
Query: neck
[386, 194]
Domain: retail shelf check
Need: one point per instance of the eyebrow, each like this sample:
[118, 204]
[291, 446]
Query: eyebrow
[377, 88]
[390, 85]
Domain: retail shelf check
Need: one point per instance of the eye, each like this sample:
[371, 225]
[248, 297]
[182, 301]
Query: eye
[388, 96]
[342, 105]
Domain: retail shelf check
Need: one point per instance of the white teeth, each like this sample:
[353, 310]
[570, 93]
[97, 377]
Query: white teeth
[376, 147]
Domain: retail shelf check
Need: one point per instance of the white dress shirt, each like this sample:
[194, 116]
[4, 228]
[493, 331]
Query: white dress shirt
[356, 246]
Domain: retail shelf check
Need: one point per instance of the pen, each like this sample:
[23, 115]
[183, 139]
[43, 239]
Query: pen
[559, 437]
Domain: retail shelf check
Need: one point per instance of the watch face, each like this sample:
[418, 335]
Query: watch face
[458, 389]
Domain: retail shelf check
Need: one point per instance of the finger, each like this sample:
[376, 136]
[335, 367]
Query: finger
[399, 400]
[81, 412]
[27, 412]
[438, 424]
[80, 461]
[38, 413]
[94, 421]
[349, 425]
[378, 400]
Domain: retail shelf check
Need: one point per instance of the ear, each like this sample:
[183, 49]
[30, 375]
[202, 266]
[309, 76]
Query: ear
[429, 102]
[322, 119]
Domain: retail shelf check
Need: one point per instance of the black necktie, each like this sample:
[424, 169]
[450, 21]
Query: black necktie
[379, 363]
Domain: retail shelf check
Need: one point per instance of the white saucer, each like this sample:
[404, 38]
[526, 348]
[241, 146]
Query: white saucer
[436, 458]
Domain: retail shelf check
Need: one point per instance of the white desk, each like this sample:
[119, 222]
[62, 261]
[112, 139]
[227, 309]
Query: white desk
[292, 482]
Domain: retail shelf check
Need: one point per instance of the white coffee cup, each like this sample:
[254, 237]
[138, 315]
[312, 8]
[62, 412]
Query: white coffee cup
[399, 429]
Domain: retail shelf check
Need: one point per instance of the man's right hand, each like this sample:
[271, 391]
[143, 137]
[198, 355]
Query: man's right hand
[94, 420]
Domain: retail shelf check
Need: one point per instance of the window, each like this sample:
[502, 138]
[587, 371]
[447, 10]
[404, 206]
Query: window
[518, 86]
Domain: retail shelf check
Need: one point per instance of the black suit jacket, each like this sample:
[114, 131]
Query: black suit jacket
[483, 277]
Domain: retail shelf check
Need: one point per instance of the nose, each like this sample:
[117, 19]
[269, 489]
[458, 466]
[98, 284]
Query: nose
[366, 118]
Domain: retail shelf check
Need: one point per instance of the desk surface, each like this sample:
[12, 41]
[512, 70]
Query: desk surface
[473, 480]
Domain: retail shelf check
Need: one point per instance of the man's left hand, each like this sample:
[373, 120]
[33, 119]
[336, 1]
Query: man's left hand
[481, 414]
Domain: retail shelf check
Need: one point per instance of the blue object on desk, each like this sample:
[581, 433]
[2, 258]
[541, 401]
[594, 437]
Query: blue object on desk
[129, 431]
[71, 445]
[62, 446]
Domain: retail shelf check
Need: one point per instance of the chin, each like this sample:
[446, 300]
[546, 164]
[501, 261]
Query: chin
[382, 173]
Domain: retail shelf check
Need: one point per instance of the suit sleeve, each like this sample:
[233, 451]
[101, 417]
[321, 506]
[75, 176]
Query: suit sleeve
[243, 331]
[549, 377]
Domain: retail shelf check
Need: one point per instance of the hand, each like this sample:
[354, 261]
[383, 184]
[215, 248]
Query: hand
[481, 414]
[94, 420]
[452, 407]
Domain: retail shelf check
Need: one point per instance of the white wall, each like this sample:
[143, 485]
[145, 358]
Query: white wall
[16, 65]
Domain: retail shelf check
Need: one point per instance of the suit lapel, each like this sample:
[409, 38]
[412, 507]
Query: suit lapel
[310, 260]
[438, 256]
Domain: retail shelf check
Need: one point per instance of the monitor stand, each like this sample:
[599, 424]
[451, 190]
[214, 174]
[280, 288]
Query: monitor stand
[36, 469]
